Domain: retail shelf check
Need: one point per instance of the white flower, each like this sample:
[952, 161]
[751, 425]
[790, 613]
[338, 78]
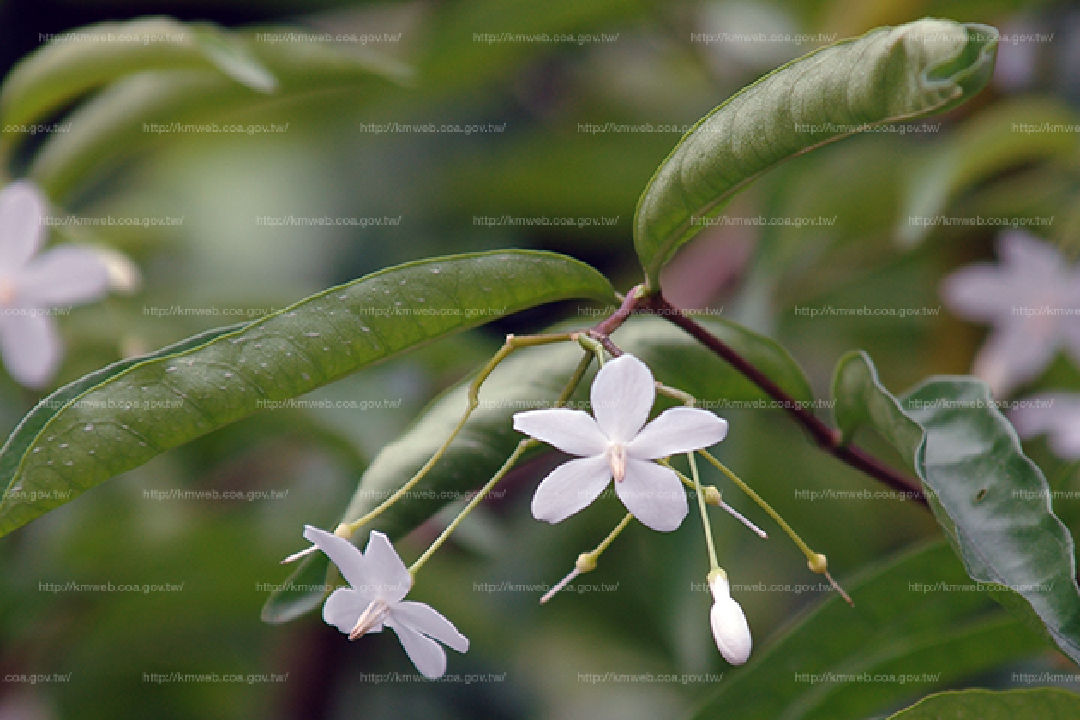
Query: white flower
[1056, 415]
[729, 627]
[379, 583]
[30, 284]
[1032, 299]
[615, 445]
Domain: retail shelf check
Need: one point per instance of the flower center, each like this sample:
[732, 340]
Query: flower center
[617, 455]
[373, 615]
[7, 293]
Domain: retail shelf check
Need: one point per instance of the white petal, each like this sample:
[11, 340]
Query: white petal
[30, 346]
[570, 487]
[426, 654]
[1029, 256]
[677, 430]
[653, 494]
[572, 431]
[348, 558]
[62, 276]
[124, 275]
[719, 587]
[344, 607]
[1056, 415]
[22, 208]
[731, 631]
[983, 292]
[622, 395]
[1015, 353]
[387, 576]
[1065, 441]
[429, 621]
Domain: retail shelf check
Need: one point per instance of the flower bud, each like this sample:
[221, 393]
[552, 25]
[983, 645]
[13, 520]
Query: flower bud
[729, 627]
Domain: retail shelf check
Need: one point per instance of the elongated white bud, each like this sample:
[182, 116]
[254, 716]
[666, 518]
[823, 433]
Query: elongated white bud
[729, 626]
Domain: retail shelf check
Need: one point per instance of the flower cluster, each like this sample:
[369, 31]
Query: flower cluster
[614, 445]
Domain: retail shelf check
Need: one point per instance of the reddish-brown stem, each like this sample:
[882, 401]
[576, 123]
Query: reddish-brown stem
[601, 332]
[826, 437]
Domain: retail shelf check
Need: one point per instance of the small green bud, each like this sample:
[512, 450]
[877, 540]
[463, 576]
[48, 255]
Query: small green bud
[586, 562]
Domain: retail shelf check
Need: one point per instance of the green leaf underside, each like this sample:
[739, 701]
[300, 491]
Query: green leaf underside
[529, 379]
[918, 623]
[887, 75]
[991, 500]
[90, 57]
[121, 417]
[1042, 703]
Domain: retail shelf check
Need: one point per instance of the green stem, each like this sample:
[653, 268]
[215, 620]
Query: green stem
[476, 500]
[593, 346]
[519, 450]
[606, 542]
[676, 394]
[803, 547]
[586, 562]
[714, 564]
[682, 478]
[512, 343]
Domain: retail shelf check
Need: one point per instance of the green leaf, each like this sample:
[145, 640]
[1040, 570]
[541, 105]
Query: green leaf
[1042, 703]
[992, 501]
[473, 44]
[887, 75]
[861, 400]
[121, 417]
[915, 625]
[111, 126]
[987, 145]
[90, 57]
[527, 379]
[30, 427]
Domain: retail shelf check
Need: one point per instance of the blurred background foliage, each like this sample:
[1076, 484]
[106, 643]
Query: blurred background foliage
[634, 64]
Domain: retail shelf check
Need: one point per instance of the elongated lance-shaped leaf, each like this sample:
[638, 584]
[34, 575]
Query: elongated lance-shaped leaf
[916, 619]
[528, 379]
[110, 127]
[82, 60]
[1045, 703]
[991, 500]
[119, 418]
[887, 75]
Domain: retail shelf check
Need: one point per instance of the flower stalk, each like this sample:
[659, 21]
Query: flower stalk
[587, 561]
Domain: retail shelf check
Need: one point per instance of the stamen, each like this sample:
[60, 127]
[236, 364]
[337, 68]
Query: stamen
[744, 520]
[297, 555]
[372, 616]
[618, 461]
[7, 293]
[836, 586]
[560, 585]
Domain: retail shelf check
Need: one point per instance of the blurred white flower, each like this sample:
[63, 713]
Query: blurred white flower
[124, 275]
[380, 581]
[615, 445]
[31, 285]
[1056, 415]
[729, 626]
[1032, 300]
